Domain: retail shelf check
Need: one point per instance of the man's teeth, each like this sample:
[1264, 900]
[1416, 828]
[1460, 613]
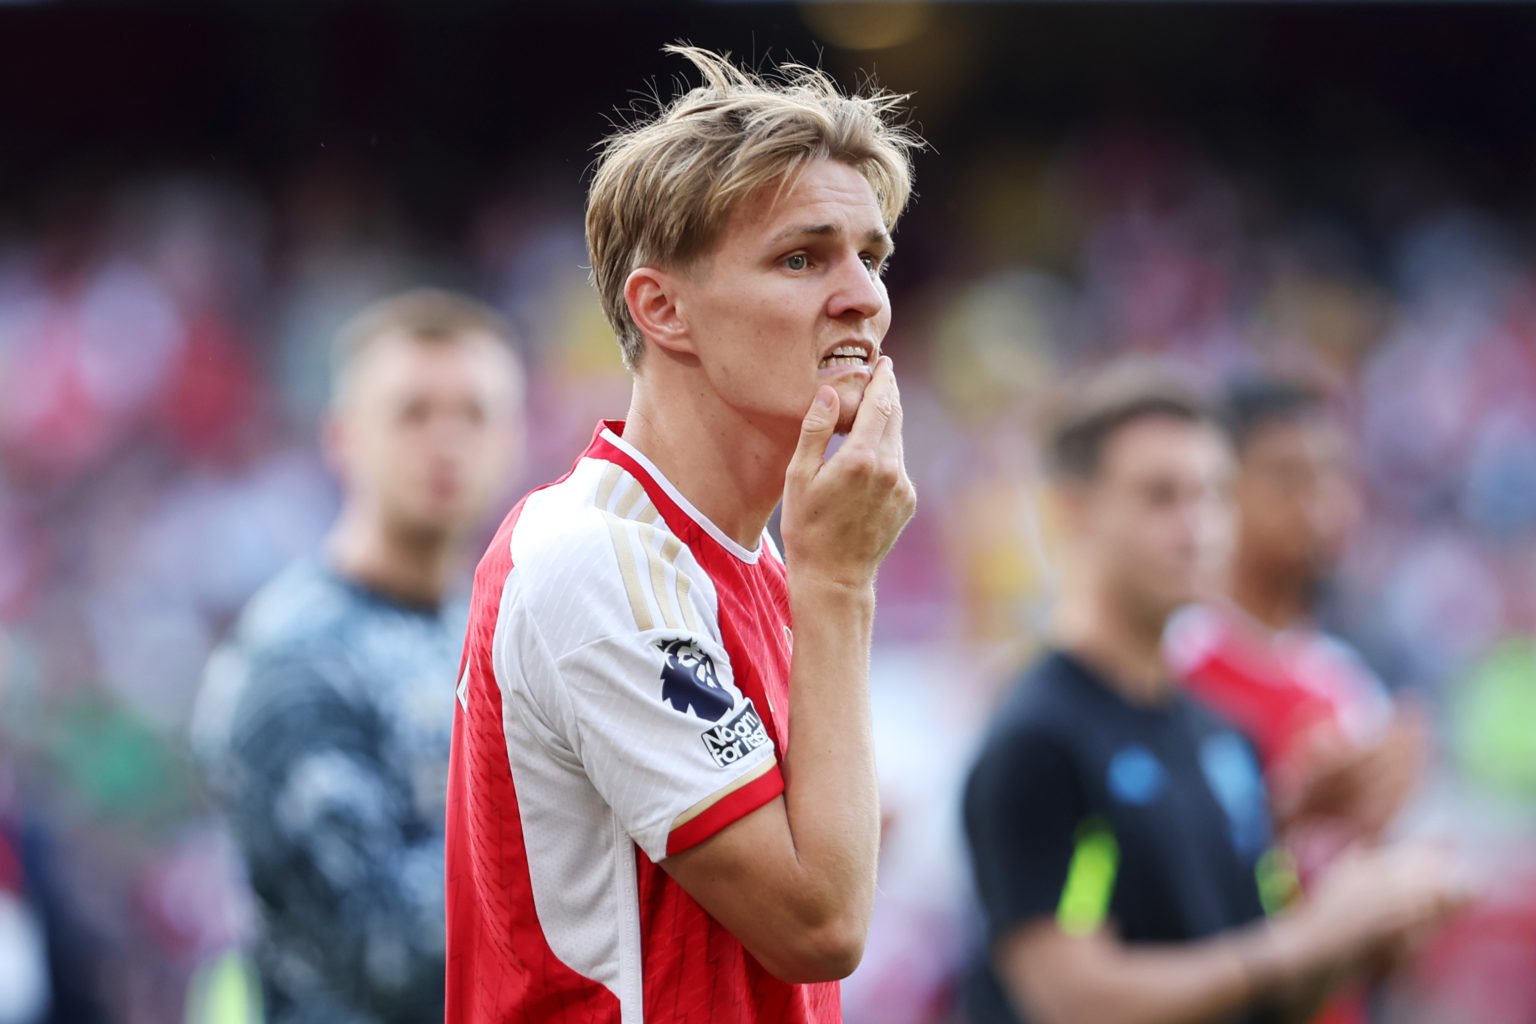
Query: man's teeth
[847, 355]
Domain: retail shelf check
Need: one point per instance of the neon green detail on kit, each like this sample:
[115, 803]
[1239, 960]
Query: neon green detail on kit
[225, 990]
[1278, 882]
[1091, 875]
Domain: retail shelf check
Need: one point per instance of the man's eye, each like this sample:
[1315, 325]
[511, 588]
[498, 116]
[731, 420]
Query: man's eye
[874, 264]
[799, 261]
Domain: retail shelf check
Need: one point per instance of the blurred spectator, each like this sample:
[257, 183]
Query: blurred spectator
[324, 722]
[47, 966]
[1339, 760]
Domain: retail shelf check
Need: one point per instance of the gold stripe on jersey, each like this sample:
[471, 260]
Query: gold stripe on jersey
[605, 486]
[671, 611]
[685, 598]
[647, 514]
[633, 503]
[622, 496]
[715, 797]
[682, 589]
[624, 548]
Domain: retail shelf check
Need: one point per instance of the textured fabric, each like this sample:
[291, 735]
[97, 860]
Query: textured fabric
[623, 695]
[323, 728]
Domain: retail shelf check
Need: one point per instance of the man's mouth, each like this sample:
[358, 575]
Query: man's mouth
[850, 354]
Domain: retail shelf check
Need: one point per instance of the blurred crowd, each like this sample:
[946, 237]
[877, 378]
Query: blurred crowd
[162, 377]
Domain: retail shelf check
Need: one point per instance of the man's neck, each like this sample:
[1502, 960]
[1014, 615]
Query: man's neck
[730, 469]
[1274, 598]
[1127, 652]
[405, 569]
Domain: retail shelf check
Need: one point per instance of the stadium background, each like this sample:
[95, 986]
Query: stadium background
[192, 196]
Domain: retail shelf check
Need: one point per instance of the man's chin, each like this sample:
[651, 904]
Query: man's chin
[431, 527]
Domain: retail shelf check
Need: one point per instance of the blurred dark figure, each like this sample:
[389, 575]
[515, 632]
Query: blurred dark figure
[324, 720]
[1119, 830]
[46, 955]
[45, 961]
[1340, 759]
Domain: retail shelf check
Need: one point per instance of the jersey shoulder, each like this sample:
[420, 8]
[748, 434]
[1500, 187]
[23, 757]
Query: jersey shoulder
[1042, 714]
[299, 605]
[591, 557]
[288, 644]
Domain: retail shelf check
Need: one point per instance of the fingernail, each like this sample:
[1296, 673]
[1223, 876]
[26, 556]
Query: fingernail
[823, 399]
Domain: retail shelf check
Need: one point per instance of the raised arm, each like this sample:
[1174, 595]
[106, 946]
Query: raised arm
[795, 879]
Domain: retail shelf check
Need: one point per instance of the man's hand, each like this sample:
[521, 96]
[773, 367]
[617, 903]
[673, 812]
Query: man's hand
[842, 515]
[1375, 898]
[1359, 785]
[1371, 909]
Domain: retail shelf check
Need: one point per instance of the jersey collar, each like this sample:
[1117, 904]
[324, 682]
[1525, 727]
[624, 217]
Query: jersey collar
[668, 499]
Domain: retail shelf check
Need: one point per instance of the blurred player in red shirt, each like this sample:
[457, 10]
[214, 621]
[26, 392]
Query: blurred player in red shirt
[632, 835]
[1340, 757]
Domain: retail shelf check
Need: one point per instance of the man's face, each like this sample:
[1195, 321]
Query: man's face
[1157, 519]
[791, 298]
[1296, 495]
[426, 432]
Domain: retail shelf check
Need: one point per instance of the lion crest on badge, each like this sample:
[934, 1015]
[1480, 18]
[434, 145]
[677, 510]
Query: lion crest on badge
[689, 682]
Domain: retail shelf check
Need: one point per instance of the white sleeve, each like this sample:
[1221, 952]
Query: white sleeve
[613, 633]
[666, 737]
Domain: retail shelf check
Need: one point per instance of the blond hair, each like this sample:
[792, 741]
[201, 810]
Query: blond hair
[427, 315]
[666, 184]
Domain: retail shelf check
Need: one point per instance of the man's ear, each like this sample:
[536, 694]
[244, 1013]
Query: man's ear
[652, 298]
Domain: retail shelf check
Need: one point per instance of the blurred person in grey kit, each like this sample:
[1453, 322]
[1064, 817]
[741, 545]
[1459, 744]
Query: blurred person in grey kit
[324, 721]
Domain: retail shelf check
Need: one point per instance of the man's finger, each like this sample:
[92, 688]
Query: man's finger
[891, 438]
[875, 407]
[816, 432]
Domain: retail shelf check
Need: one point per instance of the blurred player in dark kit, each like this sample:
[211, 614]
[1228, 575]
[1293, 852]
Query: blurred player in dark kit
[631, 834]
[325, 719]
[1118, 829]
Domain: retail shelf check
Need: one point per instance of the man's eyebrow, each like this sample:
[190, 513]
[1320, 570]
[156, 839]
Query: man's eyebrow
[801, 230]
[877, 237]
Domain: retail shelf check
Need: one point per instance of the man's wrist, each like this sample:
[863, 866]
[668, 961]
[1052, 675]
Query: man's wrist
[1268, 957]
[811, 585]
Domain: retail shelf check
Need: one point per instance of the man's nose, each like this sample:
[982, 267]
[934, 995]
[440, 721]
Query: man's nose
[856, 293]
[449, 437]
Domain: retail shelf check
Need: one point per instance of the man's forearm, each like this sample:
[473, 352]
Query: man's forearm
[1066, 978]
[831, 794]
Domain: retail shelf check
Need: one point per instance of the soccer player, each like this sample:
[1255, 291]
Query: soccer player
[662, 804]
[1341, 759]
[325, 719]
[1116, 827]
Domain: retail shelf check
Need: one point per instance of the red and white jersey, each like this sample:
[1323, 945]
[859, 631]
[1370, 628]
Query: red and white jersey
[1275, 685]
[623, 696]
